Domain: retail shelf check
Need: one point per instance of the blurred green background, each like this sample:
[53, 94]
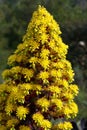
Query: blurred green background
[72, 18]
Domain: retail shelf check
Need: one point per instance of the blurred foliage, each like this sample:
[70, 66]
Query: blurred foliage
[72, 17]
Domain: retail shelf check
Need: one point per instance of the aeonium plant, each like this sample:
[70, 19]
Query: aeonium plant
[38, 87]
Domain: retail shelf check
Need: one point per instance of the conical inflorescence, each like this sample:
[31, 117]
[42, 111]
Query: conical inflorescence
[38, 89]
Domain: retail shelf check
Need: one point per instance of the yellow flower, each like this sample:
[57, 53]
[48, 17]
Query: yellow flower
[67, 95]
[38, 118]
[14, 93]
[25, 86]
[74, 89]
[33, 60]
[12, 72]
[69, 74]
[57, 102]
[55, 36]
[3, 88]
[37, 88]
[44, 75]
[58, 65]
[19, 96]
[12, 122]
[65, 83]
[67, 112]
[43, 103]
[56, 73]
[74, 108]
[22, 112]
[70, 109]
[51, 43]
[12, 59]
[24, 90]
[6, 73]
[23, 127]
[16, 69]
[9, 108]
[44, 63]
[43, 38]
[33, 45]
[21, 58]
[42, 29]
[64, 126]
[14, 90]
[22, 48]
[55, 90]
[28, 73]
[44, 53]
[46, 124]
[67, 64]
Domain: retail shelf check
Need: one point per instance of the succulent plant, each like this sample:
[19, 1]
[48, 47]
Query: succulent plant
[38, 86]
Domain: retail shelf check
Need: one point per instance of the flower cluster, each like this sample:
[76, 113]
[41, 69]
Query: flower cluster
[21, 112]
[41, 122]
[63, 126]
[38, 87]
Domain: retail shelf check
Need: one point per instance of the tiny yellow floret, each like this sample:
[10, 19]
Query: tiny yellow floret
[22, 112]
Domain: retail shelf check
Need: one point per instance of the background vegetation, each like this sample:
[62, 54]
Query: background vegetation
[72, 17]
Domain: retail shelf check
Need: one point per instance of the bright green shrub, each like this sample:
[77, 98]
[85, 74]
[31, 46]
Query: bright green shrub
[38, 86]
